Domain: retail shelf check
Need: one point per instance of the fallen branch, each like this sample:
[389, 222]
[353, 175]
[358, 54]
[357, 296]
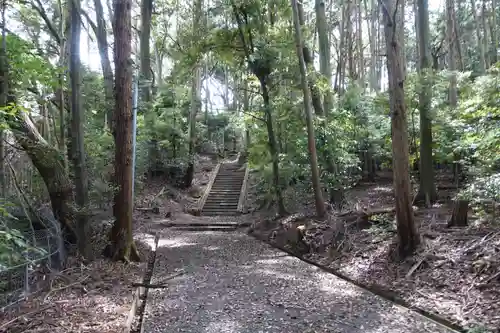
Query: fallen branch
[7, 324]
[66, 286]
[160, 284]
[155, 210]
[415, 267]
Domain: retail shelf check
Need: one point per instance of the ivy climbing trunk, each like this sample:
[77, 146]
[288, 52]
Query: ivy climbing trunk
[406, 229]
[77, 143]
[122, 245]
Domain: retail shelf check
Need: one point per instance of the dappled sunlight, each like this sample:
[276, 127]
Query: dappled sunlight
[382, 189]
[146, 239]
[331, 285]
[175, 242]
[276, 273]
[211, 248]
[223, 326]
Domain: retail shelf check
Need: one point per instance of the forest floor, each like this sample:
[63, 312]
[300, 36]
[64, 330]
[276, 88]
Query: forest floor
[96, 297]
[455, 274]
[228, 282]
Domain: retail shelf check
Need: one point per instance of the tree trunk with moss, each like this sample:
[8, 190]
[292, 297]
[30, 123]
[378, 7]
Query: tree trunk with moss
[121, 240]
[50, 164]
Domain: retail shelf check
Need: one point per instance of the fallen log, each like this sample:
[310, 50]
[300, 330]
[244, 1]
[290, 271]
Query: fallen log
[361, 218]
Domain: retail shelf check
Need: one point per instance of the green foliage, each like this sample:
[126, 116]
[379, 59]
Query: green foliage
[15, 248]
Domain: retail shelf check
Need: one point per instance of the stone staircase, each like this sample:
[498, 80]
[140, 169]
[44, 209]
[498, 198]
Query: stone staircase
[225, 192]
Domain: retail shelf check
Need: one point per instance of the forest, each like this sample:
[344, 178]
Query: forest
[369, 130]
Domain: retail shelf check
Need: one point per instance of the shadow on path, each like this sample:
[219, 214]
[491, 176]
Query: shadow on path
[236, 284]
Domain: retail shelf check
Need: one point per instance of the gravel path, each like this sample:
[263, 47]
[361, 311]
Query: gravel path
[236, 284]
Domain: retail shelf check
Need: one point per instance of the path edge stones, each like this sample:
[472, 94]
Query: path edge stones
[135, 318]
[374, 289]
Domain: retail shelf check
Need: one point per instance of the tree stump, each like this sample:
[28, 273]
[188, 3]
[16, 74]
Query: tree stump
[459, 214]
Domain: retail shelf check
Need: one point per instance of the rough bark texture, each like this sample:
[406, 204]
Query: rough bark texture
[320, 204]
[450, 33]
[121, 242]
[146, 12]
[480, 45]
[273, 147]
[49, 163]
[459, 214]
[77, 118]
[315, 93]
[195, 98]
[494, 32]
[4, 88]
[427, 191]
[102, 44]
[407, 232]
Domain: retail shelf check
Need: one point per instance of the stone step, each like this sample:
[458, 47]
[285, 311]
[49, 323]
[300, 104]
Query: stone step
[233, 206]
[173, 223]
[232, 173]
[223, 200]
[227, 184]
[205, 228]
[228, 179]
[219, 213]
[220, 207]
[226, 189]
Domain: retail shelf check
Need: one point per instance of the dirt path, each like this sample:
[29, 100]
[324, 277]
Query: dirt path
[234, 283]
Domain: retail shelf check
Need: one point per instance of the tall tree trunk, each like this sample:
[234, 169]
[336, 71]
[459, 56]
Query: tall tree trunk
[427, 191]
[246, 109]
[146, 12]
[159, 65]
[480, 44]
[450, 34]
[324, 54]
[77, 118]
[341, 63]
[486, 44]
[361, 57]
[62, 84]
[349, 42]
[494, 32]
[122, 245]
[372, 32]
[195, 98]
[315, 93]
[320, 204]
[336, 195]
[273, 147]
[102, 44]
[407, 232]
[4, 90]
